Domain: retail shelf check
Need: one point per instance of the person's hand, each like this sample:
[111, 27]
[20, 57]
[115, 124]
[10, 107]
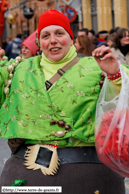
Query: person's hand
[2, 53]
[106, 60]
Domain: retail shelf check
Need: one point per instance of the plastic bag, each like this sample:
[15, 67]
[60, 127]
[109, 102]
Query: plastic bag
[112, 126]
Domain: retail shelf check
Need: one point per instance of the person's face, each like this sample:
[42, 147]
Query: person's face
[90, 35]
[55, 42]
[125, 40]
[81, 33]
[26, 53]
[110, 43]
[77, 45]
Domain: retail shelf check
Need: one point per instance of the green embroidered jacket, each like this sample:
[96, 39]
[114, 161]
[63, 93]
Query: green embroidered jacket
[28, 109]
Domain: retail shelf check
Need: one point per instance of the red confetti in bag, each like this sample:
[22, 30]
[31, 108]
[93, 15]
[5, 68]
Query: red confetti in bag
[112, 126]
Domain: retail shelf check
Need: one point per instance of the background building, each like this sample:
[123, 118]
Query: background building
[92, 14]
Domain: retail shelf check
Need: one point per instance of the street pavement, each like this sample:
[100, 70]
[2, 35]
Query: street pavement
[5, 154]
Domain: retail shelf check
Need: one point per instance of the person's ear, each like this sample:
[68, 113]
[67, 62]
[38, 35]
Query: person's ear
[71, 42]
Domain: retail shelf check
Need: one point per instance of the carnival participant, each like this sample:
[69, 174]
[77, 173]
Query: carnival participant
[2, 53]
[30, 47]
[3, 58]
[50, 120]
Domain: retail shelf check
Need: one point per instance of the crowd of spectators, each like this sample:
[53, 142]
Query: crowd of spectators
[117, 39]
[86, 41]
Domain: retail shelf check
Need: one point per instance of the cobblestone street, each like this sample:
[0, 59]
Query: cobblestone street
[5, 154]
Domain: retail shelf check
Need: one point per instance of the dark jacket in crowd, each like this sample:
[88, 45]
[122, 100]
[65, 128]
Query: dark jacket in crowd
[13, 49]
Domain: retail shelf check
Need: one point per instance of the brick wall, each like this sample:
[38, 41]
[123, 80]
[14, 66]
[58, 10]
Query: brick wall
[22, 24]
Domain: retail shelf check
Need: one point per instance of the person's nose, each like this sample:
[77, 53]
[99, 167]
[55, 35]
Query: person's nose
[53, 39]
[23, 49]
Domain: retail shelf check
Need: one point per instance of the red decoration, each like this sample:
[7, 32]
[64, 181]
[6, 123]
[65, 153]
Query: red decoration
[113, 149]
[115, 76]
[3, 8]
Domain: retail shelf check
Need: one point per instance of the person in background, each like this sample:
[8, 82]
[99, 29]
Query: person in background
[102, 36]
[13, 48]
[121, 45]
[30, 46]
[94, 41]
[91, 33]
[2, 53]
[117, 28]
[84, 46]
[93, 38]
[102, 43]
[111, 31]
[110, 40]
[50, 123]
[4, 43]
[3, 58]
[83, 32]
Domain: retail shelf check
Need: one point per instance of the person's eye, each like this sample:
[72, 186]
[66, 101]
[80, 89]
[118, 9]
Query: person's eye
[59, 33]
[45, 36]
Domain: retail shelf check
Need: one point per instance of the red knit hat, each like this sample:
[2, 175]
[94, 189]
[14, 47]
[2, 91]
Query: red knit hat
[54, 17]
[30, 43]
